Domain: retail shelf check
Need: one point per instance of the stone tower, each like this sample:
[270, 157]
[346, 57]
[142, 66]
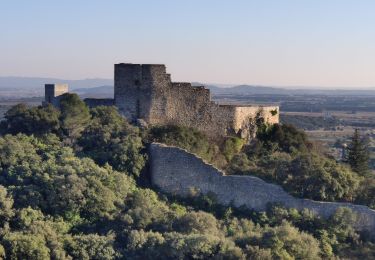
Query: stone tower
[141, 91]
[53, 93]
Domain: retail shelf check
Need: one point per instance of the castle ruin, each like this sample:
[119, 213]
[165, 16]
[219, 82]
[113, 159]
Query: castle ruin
[146, 92]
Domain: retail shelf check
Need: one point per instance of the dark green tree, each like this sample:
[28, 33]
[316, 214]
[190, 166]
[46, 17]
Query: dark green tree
[25, 246]
[197, 222]
[366, 193]
[191, 140]
[111, 139]
[6, 206]
[75, 115]
[36, 120]
[92, 246]
[358, 155]
[288, 138]
[313, 176]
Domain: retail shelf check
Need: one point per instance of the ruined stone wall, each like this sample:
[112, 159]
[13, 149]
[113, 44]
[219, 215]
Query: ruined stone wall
[158, 82]
[192, 106]
[175, 171]
[146, 92]
[270, 114]
[245, 117]
[222, 119]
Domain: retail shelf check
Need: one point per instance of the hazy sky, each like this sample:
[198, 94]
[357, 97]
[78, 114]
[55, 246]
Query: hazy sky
[269, 42]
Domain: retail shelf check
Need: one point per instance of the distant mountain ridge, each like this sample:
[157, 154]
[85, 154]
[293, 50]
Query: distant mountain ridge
[96, 87]
[96, 92]
[267, 90]
[35, 83]
[264, 90]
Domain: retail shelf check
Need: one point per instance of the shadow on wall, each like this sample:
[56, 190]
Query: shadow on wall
[176, 171]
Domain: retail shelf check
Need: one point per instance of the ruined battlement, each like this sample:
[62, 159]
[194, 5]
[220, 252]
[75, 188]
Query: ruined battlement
[145, 91]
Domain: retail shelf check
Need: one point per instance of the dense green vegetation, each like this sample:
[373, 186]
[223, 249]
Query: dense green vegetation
[311, 122]
[216, 152]
[284, 155]
[358, 155]
[71, 186]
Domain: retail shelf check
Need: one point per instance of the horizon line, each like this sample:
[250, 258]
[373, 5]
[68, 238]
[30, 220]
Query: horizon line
[221, 85]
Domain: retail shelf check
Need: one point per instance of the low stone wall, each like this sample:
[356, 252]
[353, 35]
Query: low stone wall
[175, 171]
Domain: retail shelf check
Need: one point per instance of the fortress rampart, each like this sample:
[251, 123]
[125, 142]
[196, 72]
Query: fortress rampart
[147, 92]
[175, 171]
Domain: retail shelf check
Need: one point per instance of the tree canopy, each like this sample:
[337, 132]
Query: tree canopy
[109, 138]
[71, 188]
[358, 155]
[75, 115]
[36, 120]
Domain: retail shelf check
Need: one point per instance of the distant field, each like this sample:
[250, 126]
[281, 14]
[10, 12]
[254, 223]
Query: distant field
[335, 128]
[330, 136]
[305, 103]
[331, 125]
[329, 120]
[5, 104]
[347, 115]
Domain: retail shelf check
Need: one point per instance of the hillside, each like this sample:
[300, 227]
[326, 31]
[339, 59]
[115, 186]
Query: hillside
[75, 185]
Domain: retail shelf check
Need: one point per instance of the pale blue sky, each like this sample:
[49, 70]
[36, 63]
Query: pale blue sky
[327, 43]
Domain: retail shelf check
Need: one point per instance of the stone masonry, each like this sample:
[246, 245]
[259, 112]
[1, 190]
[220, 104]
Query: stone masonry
[53, 93]
[146, 92]
[175, 171]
